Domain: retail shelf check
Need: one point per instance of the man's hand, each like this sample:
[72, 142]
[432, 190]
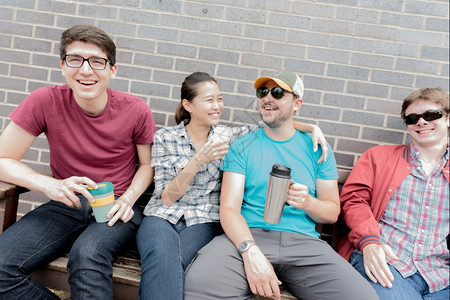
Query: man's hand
[64, 190]
[375, 263]
[122, 210]
[298, 196]
[260, 274]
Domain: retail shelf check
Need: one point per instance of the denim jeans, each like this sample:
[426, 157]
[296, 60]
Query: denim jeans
[48, 232]
[409, 288]
[166, 250]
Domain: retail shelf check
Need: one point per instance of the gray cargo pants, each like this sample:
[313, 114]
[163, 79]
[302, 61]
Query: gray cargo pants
[308, 267]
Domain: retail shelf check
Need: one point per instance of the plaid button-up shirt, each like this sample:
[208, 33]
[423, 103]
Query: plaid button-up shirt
[417, 219]
[172, 150]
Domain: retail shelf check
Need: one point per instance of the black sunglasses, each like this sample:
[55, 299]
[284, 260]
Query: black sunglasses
[429, 115]
[276, 92]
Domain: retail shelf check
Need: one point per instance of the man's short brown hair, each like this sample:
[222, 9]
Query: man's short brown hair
[436, 95]
[88, 34]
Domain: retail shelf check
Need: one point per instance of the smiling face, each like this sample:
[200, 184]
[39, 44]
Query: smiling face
[205, 109]
[88, 85]
[275, 112]
[427, 133]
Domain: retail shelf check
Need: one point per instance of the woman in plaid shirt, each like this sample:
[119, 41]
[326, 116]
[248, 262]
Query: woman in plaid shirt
[183, 213]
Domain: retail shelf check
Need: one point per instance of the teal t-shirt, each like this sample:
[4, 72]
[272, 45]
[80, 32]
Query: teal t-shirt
[254, 154]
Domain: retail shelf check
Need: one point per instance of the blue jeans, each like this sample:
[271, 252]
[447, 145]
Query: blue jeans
[50, 231]
[166, 250]
[409, 288]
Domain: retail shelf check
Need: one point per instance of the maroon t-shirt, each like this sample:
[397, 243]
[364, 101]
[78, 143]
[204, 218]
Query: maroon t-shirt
[101, 147]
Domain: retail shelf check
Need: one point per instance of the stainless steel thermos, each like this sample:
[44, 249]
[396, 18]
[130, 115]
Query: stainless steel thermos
[279, 181]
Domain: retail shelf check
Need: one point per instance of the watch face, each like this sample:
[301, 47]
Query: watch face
[245, 245]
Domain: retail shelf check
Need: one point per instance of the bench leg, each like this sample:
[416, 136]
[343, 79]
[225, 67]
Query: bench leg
[11, 205]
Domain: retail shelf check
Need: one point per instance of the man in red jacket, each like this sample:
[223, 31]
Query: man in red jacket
[395, 203]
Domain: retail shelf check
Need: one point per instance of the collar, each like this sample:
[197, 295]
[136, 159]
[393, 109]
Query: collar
[415, 153]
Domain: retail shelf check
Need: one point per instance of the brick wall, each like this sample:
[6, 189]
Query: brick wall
[358, 58]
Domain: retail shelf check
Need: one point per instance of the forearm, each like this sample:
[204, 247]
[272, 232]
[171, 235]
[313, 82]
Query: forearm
[140, 182]
[322, 211]
[233, 223]
[304, 127]
[234, 226]
[16, 172]
[178, 186]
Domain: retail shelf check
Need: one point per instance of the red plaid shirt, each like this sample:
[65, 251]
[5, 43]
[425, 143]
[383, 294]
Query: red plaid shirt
[417, 219]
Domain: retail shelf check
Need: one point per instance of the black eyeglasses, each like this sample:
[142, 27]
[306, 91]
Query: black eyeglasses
[276, 92]
[429, 115]
[76, 61]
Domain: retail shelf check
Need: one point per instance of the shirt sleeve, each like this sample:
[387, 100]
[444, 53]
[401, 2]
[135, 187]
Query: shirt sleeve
[30, 114]
[163, 160]
[326, 170]
[356, 197]
[145, 125]
[234, 161]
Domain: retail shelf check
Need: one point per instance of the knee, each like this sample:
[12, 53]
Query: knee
[158, 247]
[157, 241]
[194, 279]
[3, 259]
[200, 273]
[9, 266]
[203, 282]
[6, 268]
[89, 256]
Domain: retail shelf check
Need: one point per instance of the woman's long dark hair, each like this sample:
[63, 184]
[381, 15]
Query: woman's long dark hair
[189, 92]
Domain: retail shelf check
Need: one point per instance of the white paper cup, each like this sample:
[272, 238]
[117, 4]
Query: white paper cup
[221, 134]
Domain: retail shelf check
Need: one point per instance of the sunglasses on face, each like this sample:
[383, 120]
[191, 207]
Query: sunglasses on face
[429, 115]
[276, 92]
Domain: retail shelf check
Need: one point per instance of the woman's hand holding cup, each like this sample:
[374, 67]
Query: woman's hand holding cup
[212, 151]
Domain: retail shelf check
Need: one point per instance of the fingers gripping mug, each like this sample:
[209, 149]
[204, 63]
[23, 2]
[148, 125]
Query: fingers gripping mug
[104, 200]
[279, 181]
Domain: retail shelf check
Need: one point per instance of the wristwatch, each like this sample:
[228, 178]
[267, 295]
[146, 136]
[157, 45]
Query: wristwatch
[245, 245]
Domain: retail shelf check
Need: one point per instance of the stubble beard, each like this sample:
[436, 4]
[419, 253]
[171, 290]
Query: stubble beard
[274, 121]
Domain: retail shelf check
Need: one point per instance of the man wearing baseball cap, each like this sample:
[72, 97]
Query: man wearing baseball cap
[256, 255]
[284, 79]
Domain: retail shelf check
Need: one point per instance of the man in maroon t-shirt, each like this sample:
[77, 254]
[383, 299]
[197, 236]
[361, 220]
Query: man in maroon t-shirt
[95, 134]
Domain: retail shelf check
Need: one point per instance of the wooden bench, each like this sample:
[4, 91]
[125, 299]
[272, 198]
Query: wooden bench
[127, 267]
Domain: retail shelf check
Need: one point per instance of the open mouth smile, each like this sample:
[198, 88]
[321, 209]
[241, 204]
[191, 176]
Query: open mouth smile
[87, 82]
[268, 107]
[424, 131]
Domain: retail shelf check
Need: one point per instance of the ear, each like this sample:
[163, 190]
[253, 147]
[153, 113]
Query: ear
[62, 68]
[114, 71]
[187, 105]
[297, 104]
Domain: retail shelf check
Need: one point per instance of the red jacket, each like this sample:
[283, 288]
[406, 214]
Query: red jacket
[367, 190]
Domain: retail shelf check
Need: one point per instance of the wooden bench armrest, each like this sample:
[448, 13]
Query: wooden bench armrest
[9, 202]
